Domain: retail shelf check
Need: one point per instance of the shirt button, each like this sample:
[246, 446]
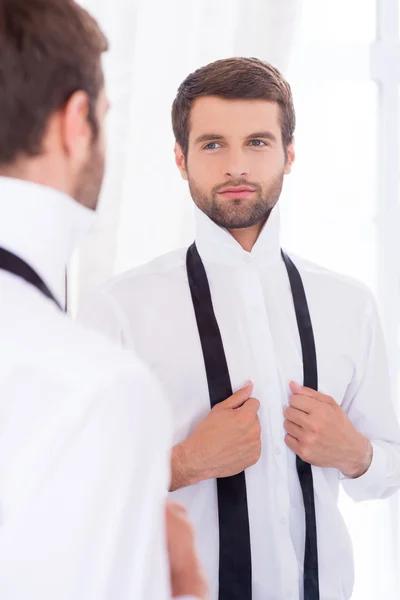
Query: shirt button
[289, 595]
[283, 521]
[277, 451]
[247, 258]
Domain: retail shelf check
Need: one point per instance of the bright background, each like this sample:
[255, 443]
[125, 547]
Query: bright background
[340, 206]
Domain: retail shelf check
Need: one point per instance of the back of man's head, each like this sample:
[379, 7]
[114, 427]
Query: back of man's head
[49, 51]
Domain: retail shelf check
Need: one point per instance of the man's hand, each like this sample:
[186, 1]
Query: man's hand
[225, 443]
[187, 578]
[321, 433]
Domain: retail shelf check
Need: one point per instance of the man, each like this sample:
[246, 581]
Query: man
[234, 308]
[84, 463]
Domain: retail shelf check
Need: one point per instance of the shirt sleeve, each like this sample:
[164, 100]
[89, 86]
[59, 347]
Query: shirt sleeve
[93, 528]
[371, 409]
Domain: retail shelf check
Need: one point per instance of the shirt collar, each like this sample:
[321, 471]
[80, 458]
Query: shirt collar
[216, 245]
[42, 226]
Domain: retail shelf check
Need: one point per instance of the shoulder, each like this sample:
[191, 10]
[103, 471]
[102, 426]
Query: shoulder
[327, 284]
[73, 357]
[164, 266]
[157, 279]
[62, 363]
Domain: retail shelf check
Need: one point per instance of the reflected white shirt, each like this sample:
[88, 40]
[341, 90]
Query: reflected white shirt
[84, 431]
[150, 309]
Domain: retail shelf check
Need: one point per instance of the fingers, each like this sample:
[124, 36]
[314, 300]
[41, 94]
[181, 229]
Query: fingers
[239, 398]
[298, 417]
[251, 405]
[175, 508]
[294, 430]
[300, 390]
[292, 443]
[303, 403]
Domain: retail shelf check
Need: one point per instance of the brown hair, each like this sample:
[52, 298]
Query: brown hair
[49, 49]
[233, 78]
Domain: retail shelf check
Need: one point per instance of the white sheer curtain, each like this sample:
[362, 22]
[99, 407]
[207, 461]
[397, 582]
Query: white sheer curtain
[332, 211]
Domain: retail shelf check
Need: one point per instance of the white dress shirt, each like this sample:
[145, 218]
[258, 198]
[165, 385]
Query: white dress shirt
[84, 431]
[150, 309]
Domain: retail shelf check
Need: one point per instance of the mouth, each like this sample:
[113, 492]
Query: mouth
[237, 192]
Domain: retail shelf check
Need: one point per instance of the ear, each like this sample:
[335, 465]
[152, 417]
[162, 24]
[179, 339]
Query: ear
[77, 134]
[180, 161]
[291, 156]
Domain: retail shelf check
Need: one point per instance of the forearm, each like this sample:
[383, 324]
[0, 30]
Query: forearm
[359, 461]
[185, 467]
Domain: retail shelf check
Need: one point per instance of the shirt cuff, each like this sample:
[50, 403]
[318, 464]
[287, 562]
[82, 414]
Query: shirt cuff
[368, 486]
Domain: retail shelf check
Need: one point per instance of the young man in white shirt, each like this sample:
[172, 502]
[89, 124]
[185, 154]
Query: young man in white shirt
[316, 408]
[84, 462]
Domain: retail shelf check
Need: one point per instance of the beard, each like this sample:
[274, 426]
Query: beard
[238, 213]
[90, 180]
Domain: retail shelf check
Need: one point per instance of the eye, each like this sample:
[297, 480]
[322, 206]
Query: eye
[212, 146]
[258, 143]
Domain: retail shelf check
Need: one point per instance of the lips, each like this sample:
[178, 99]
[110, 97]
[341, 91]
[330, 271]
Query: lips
[234, 193]
[234, 190]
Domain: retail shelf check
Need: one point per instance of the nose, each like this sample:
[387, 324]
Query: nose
[236, 165]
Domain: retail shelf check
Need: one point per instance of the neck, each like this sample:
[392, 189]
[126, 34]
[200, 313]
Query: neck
[38, 170]
[248, 236]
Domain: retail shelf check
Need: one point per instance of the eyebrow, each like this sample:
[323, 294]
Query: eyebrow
[267, 135]
[216, 137]
[209, 137]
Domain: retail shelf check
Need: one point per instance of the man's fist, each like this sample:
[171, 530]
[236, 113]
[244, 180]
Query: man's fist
[225, 443]
[321, 433]
[228, 440]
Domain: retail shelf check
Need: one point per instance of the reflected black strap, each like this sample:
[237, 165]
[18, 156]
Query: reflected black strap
[15, 265]
[234, 532]
[310, 371]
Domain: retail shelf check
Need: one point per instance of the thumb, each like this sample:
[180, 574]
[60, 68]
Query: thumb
[300, 390]
[240, 397]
